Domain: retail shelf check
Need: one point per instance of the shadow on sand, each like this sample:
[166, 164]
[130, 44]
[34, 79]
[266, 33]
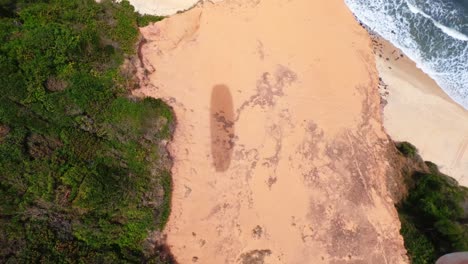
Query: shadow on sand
[222, 127]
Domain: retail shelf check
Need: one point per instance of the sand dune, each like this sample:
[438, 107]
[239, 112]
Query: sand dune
[279, 153]
[420, 112]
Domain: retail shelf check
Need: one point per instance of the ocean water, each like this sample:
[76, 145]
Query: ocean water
[433, 33]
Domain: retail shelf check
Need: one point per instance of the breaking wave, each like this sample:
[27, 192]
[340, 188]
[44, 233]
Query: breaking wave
[433, 33]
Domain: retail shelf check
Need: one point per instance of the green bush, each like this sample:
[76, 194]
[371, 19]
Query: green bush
[145, 20]
[407, 149]
[419, 247]
[80, 168]
[432, 216]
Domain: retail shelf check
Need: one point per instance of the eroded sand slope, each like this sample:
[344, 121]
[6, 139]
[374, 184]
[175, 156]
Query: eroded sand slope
[279, 153]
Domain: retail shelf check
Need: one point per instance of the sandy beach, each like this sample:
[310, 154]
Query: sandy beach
[279, 152]
[162, 7]
[419, 111]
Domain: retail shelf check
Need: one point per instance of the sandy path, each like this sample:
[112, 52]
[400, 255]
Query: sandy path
[420, 112]
[279, 152]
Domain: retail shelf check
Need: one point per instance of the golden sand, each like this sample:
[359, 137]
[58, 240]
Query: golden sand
[279, 152]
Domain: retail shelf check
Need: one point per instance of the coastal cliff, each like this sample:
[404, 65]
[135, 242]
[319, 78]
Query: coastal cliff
[279, 152]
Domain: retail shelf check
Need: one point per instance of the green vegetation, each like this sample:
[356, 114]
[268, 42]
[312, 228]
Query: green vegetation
[432, 216]
[84, 176]
[144, 20]
[407, 149]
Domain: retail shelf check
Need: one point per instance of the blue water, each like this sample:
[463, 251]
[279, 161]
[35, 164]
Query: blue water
[433, 33]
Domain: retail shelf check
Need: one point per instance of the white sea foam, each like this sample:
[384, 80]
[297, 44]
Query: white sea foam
[447, 30]
[442, 55]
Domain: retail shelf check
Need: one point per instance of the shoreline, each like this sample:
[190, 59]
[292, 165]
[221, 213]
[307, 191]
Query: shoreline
[416, 109]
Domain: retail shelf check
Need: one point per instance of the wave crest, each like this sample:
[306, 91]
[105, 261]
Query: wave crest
[447, 30]
[440, 51]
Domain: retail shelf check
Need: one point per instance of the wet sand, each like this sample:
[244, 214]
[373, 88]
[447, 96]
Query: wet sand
[279, 153]
[419, 111]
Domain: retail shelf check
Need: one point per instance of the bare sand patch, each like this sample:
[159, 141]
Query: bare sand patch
[162, 7]
[419, 111]
[286, 92]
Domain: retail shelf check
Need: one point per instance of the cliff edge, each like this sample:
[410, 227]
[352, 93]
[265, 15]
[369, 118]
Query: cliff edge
[279, 152]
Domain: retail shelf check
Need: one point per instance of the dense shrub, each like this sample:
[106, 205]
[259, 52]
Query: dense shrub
[145, 20]
[83, 176]
[407, 149]
[432, 216]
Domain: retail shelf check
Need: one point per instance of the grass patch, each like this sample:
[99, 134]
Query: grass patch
[82, 170]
